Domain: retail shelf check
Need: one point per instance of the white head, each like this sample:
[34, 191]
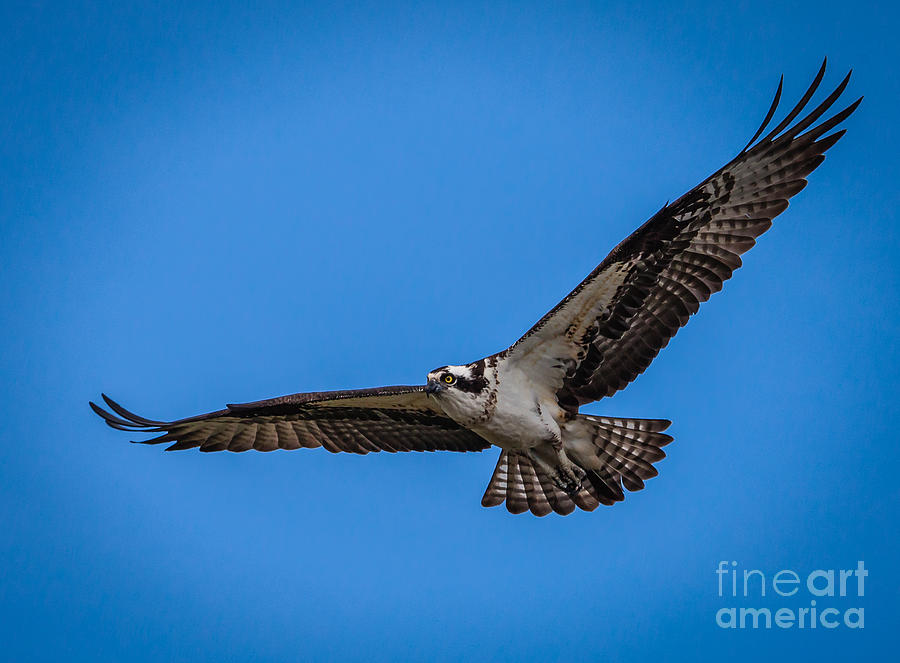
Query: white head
[460, 390]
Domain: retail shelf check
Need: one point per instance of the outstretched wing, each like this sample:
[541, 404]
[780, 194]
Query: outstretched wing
[611, 326]
[359, 421]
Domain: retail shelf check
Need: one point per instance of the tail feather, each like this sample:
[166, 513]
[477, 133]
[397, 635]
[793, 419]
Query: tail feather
[642, 425]
[615, 453]
[538, 501]
[523, 488]
[559, 501]
[517, 489]
[495, 493]
[622, 451]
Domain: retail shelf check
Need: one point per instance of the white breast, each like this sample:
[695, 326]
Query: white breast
[524, 415]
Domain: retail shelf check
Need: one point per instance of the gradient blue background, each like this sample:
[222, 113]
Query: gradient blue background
[221, 203]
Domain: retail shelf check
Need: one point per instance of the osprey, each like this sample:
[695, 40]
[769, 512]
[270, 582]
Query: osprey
[598, 339]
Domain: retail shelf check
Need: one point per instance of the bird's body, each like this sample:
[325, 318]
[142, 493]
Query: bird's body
[526, 399]
[505, 406]
[499, 401]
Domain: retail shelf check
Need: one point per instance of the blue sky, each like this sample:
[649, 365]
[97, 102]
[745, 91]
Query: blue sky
[217, 203]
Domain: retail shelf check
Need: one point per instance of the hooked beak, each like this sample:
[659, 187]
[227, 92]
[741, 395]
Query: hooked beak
[433, 387]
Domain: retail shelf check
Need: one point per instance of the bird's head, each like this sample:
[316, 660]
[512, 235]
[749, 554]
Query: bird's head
[457, 380]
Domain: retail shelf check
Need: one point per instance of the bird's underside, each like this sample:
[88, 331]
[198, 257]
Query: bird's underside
[598, 339]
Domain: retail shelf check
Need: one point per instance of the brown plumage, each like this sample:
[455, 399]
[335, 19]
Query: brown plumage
[357, 421]
[687, 250]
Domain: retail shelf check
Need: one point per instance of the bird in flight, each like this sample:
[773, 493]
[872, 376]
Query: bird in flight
[598, 339]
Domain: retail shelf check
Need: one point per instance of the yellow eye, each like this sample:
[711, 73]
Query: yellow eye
[449, 378]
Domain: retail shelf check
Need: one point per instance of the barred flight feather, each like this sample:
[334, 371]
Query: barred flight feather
[678, 259]
[399, 423]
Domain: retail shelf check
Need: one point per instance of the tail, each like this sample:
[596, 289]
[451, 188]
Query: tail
[613, 452]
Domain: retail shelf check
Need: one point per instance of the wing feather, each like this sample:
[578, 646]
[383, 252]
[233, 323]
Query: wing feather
[612, 325]
[358, 421]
